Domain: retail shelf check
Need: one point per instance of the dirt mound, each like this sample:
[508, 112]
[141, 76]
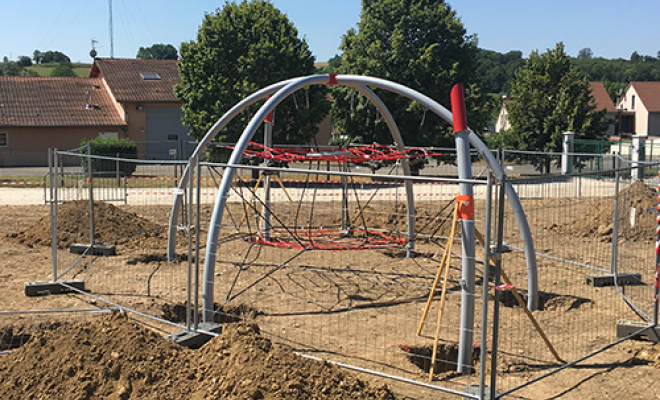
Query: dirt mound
[597, 222]
[112, 226]
[113, 358]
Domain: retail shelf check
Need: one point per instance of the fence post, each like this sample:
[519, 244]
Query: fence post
[197, 237]
[637, 156]
[189, 232]
[657, 262]
[90, 187]
[566, 159]
[484, 281]
[497, 282]
[614, 257]
[52, 169]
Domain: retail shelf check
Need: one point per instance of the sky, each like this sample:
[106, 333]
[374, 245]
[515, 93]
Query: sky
[611, 29]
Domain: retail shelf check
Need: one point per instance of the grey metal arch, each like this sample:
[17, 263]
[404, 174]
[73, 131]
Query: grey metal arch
[512, 196]
[253, 98]
[201, 147]
[356, 82]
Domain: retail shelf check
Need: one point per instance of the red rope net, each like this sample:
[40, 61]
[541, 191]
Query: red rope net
[356, 154]
[332, 239]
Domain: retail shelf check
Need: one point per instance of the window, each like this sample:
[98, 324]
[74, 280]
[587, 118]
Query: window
[109, 135]
[4, 139]
[150, 76]
[172, 138]
[632, 102]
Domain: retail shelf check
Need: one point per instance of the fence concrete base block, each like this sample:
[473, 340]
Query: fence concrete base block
[474, 389]
[44, 288]
[195, 340]
[624, 279]
[625, 328]
[95, 250]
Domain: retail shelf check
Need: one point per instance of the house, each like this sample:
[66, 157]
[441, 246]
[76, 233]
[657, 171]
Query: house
[601, 99]
[502, 122]
[121, 98]
[639, 109]
[604, 102]
[143, 91]
[39, 113]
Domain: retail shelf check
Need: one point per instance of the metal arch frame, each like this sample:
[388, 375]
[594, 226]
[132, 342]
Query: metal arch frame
[284, 89]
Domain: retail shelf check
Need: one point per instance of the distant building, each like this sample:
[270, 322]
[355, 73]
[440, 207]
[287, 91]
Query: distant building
[37, 113]
[143, 91]
[502, 122]
[638, 109]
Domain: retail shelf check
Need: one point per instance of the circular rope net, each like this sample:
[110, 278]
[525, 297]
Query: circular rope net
[351, 235]
[332, 239]
[354, 154]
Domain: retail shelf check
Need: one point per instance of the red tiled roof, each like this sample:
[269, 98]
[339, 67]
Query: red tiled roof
[126, 81]
[602, 98]
[41, 101]
[649, 94]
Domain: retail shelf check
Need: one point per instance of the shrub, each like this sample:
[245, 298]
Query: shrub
[108, 147]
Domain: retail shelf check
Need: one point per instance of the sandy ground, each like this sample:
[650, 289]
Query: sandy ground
[363, 307]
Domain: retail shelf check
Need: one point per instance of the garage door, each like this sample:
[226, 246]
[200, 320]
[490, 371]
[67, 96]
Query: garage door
[164, 130]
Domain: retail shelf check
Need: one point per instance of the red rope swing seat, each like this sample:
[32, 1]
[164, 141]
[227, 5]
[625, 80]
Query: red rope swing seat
[330, 238]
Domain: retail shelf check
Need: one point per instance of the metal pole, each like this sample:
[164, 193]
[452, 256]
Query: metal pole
[53, 209]
[484, 286]
[197, 237]
[268, 142]
[496, 300]
[189, 231]
[90, 186]
[614, 258]
[657, 261]
[466, 201]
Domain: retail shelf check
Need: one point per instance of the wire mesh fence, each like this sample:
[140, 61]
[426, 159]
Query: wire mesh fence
[593, 239]
[318, 257]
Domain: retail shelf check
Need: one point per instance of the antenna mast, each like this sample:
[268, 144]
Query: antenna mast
[112, 40]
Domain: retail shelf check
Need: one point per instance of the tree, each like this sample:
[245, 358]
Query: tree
[25, 61]
[240, 49]
[54, 56]
[550, 99]
[63, 69]
[37, 56]
[635, 56]
[158, 52]
[585, 53]
[418, 43]
[11, 68]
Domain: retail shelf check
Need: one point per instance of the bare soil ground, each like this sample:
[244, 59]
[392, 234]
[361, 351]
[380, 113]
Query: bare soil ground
[114, 358]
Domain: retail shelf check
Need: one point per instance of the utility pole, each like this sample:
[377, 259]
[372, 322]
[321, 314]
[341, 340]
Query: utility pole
[112, 40]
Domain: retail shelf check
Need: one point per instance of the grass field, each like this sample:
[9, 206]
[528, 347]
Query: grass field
[80, 69]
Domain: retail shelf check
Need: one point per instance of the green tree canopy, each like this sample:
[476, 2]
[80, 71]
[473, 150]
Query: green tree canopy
[550, 99]
[421, 44]
[240, 49]
[25, 61]
[54, 56]
[158, 52]
[63, 69]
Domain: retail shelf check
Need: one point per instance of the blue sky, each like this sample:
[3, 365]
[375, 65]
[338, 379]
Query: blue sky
[612, 29]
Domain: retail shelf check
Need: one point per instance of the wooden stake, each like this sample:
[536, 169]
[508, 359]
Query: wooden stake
[443, 293]
[520, 301]
[445, 258]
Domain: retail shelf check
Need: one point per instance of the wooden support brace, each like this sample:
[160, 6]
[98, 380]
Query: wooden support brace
[520, 301]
